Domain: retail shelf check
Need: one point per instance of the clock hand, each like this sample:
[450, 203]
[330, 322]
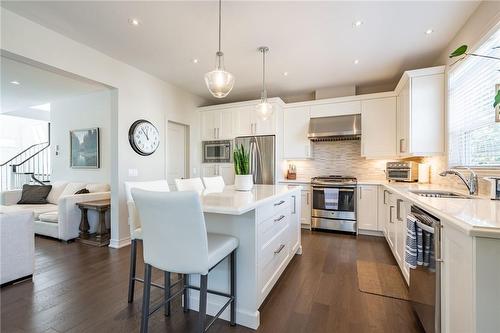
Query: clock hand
[145, 134]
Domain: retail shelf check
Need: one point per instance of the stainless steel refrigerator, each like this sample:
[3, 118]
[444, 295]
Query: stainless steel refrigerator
[262, 157]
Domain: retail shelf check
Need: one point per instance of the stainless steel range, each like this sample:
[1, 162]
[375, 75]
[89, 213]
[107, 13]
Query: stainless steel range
[334, 203]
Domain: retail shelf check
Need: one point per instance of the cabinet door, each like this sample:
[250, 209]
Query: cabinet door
[391, 226]
[226, 124]
[227, 173]
[208, 128]
[335, 109]
[403, 116]
[305, 217]
[263, 127]
[379, 124]
[367, 207]
[400, 231]
[382, 202]
[244, 121]
[295, 127]
[457, 281]
[208, 170]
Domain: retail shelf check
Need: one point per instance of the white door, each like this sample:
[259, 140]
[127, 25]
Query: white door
[367, 207]
[177, 152]
[379, 123]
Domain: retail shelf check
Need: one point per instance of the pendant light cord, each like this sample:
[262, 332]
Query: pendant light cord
[220, 23]
[264, 92]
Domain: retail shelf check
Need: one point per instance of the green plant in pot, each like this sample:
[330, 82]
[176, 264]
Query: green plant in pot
[243, 180]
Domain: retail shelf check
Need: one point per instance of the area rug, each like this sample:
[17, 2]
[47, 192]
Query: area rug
[381, 279]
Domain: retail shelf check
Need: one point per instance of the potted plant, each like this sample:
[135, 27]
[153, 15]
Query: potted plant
[243, 180]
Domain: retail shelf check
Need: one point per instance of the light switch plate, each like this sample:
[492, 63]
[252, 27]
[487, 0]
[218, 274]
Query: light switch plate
[133, 172]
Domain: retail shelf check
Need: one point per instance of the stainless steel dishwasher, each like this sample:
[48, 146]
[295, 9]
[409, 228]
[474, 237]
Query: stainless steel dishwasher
[425, 282]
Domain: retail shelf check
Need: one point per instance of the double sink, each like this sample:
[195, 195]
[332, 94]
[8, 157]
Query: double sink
[440, 194]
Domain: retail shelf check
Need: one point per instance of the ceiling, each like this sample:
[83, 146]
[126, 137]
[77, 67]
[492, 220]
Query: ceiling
[315, 42]
[36, 86]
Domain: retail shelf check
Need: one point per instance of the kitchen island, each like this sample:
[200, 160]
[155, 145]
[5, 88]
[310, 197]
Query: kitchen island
[266, 220]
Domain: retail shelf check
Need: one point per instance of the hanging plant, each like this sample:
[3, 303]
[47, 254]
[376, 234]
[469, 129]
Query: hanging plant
[462, 52]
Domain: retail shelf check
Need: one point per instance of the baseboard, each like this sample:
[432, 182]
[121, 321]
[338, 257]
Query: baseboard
[119, 243]
[18, 280]
[370, 233]
[244, 318]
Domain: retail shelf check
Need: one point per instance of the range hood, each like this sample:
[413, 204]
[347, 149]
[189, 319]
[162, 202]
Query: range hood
[335, 128]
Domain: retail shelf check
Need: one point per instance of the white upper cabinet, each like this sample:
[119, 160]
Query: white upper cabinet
[217, 125]
[296, 145]
[378, 128]
[335, 109]
[421, 96]
[245, 124]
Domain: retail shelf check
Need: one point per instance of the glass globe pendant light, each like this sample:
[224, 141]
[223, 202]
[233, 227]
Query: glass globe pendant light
[219, 82]
[264, 108]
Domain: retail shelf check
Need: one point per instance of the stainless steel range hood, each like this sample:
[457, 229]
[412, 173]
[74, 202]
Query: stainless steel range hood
[335, 128]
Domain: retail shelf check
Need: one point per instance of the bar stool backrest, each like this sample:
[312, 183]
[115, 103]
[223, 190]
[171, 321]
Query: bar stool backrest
[190, 184]
[173, 230]
[214, 184]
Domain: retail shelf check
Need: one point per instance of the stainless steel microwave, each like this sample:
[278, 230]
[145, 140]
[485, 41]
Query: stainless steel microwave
[217, 151]
[403, 171]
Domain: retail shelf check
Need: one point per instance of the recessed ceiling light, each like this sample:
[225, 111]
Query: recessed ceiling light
[195, 61]
[429, 31]
[357, 23]
[41, 107]
[134, 21]
[15, 82]
[356, 61]
[285, 73]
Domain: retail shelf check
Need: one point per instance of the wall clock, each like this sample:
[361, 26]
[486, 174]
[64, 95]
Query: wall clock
[143, 137]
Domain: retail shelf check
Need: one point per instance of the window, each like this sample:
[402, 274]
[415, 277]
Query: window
[473, 134]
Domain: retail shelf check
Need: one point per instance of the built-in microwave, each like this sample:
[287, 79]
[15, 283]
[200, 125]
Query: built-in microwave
[217, 151]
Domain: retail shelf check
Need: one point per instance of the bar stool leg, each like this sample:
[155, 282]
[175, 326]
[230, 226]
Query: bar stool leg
[133, 263]
[145, 298]
[167, 293]
[186, 292]
[203, 303]
[233, 288]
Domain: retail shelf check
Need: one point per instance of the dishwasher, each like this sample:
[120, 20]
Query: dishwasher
[425, 281]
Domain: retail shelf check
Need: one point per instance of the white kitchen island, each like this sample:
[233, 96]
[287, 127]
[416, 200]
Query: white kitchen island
[266, 221]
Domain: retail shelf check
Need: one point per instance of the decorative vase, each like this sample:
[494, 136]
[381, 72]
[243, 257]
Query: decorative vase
[243, 182]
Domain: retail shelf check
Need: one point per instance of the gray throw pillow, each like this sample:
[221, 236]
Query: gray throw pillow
[34, 194]
[82, 191]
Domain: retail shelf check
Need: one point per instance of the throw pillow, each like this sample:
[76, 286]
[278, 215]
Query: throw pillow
[82, 191]
[34, 194]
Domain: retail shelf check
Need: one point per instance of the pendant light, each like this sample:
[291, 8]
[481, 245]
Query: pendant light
[264, 109]
[219, 82]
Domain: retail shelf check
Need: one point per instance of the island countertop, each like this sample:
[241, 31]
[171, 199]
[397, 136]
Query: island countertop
[232, 202]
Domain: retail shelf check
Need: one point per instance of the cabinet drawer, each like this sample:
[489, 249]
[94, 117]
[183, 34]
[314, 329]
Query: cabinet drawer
[271, 227]
[281, 205]
[273, 256]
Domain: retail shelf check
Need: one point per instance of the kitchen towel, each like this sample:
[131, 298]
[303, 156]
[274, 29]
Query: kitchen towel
[331, 198]
[411, 241]
[419, 250]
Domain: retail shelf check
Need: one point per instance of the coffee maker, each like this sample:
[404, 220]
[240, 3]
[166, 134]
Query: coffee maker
[495, 187]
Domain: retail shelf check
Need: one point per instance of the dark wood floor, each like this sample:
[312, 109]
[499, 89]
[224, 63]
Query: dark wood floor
[77, 288]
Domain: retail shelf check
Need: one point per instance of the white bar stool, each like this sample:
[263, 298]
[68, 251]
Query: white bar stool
[175, 239]
[190, 184]
[135, 227]
[214, 184]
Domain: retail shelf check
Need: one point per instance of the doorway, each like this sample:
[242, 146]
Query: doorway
[177, 152]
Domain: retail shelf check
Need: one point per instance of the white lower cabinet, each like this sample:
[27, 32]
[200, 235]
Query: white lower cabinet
[367, 215]
[226, 171]
[305, 209]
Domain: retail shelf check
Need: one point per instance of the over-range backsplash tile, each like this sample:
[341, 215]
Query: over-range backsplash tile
[340, 158]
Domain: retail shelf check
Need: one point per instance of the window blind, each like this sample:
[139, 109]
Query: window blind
[473, 134]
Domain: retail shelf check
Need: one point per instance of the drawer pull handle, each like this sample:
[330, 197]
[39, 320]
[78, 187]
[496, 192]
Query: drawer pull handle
[279, 218]
[282, 246]
[279, 203]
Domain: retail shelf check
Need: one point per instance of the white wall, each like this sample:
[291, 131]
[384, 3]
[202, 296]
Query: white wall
[85, 111]
[136, 95]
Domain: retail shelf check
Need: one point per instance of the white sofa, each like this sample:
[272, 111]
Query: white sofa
[17, 245]
[60, 217]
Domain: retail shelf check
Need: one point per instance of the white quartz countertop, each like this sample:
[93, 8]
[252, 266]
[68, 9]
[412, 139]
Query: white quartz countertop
[232, 202]
[479, 216]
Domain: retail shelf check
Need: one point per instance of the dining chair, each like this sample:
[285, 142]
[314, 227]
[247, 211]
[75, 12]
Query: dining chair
[190, 184]
[214, 184]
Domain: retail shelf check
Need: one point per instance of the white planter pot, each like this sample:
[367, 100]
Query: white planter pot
[243, 182]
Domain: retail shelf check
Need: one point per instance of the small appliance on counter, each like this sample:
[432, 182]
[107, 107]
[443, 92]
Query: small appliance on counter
[292, 172]
[402, 171]
[494, 188]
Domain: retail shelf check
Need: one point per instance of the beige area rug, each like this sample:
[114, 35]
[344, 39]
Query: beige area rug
[381, 279]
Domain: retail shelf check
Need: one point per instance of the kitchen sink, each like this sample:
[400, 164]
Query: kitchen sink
[440, 194]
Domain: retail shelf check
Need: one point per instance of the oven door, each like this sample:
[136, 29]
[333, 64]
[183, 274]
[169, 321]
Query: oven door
[216, 152]
[346, 204]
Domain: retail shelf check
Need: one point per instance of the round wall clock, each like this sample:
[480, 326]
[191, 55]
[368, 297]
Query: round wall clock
[143, 137]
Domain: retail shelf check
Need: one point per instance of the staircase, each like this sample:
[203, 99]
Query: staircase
[30, 166]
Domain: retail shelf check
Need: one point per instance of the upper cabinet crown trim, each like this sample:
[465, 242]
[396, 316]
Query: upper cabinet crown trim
[416, 73]
[274, 100]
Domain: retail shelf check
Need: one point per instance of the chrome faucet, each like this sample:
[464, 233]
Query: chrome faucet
[470, 182]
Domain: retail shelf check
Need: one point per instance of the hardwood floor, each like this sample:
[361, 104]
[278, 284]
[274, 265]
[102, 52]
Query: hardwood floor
[78, 288]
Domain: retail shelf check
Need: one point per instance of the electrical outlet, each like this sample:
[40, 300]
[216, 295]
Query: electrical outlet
[133, 172]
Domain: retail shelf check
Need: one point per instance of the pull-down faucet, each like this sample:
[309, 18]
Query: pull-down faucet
[470, 182]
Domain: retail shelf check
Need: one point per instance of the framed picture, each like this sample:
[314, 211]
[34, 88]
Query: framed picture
[84, 144]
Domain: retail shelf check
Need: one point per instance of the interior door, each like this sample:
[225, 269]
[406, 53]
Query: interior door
[176, 152]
